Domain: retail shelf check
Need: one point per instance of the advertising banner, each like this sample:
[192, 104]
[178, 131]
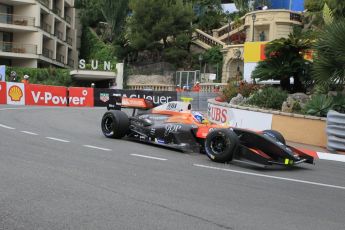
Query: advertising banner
[46, 95]
[102, 96]
[239, 118]
[218, 114]
[79, 96]
[3, 99]
[254, 51]
[15, 93]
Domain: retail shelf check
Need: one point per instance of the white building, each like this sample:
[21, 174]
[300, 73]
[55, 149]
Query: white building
[38, 33]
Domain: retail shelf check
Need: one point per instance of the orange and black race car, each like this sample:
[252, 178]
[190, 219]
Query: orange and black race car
[175, 125]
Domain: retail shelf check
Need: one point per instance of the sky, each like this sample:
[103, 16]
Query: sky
[229, 7]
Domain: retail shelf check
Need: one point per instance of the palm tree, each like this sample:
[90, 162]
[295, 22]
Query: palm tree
[329, 64]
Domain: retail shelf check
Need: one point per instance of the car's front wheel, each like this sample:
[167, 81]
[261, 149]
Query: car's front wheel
[115, 124]
[221, 145]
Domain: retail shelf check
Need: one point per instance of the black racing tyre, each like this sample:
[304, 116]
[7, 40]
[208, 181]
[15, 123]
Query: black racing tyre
[221, 145]
[115, 124]
[276, 135]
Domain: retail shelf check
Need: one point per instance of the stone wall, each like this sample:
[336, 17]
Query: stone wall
[150, 79]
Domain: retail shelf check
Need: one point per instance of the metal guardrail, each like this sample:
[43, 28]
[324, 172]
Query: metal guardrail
[46, 27]
[12, 47]
[336, 131]
[17, 20]
[47, 53]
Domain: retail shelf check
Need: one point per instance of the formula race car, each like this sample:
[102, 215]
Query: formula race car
[175, 125]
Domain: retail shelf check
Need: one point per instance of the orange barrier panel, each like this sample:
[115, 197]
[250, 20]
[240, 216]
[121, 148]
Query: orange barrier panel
[45, 95]
[80, 96]
[3, 92]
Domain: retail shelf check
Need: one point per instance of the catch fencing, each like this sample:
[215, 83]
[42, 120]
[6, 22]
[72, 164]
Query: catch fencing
[335, 131]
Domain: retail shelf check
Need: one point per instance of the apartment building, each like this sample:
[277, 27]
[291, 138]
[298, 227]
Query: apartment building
[38, 33]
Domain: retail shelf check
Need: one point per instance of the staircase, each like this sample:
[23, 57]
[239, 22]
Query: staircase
[230, 33]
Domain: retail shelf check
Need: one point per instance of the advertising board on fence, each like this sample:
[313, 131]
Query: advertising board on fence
[79, 96]
[45, 95]
[3, 93]
[15, 93]
[102, 96]
[239, 118]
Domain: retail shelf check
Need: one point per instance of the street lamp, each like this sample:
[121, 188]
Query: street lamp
[253, 17]
[229, 28]
[200, 62]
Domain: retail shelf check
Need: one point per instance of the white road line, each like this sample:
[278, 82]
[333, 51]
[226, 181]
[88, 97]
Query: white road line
[6, 127]
[57, 139]
[272, 177]
[149, 157]
[30, 133]
[95, 147]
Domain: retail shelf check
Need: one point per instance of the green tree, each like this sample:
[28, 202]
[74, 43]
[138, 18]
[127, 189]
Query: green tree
[89, 12]
[157, 25]
[115, 13]
[328, 68]
[242, 5]
[284, 58]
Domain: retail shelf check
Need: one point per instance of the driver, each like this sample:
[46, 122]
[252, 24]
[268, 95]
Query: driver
[199, 117]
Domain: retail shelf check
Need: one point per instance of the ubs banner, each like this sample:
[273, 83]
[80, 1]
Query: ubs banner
[102, 96]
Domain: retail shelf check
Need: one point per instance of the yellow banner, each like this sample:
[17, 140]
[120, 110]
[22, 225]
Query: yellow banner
[254, 51]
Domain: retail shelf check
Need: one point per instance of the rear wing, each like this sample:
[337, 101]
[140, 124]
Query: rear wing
[118, 102]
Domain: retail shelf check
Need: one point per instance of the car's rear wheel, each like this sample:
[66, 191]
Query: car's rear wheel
[275, 135]
[221, 145]
[115, 124]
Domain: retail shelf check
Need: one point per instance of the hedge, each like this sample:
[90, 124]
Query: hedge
[50, 76]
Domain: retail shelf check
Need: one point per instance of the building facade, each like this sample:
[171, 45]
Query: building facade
[38, 33]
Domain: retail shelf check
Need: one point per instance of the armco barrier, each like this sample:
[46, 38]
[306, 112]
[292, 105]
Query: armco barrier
[299, 128]
[80, 97]
[45, 95]
[335, 131]
[101, 96]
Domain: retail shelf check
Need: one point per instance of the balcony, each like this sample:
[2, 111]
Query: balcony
[69, 40]
[68, 19]
[12, 47]
[70, 62]
[44, 2]
[47, 53]
[60, 58]
[59, 34]
[57, 11]
[17, 20]
[46, 27]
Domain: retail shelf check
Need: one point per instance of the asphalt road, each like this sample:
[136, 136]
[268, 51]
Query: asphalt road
[57, 171]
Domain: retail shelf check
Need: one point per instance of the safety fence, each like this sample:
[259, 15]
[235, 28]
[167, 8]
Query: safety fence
[13, 93]
[335, 131]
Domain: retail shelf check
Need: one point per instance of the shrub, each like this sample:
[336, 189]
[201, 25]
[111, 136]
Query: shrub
[50, 76]
[320, 104]
[234, 88]
[269, 97]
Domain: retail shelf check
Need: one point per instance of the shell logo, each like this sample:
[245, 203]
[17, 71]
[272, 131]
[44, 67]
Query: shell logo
[15, 93]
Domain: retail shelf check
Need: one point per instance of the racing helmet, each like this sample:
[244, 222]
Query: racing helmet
[198, 116]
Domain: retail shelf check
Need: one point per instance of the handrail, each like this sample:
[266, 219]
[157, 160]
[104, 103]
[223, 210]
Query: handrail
[233, 25]
[47, 53]
[13, 47]
[46, 27]
[208, 39]
[60, 58]
[44, 2]
[15, 19]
